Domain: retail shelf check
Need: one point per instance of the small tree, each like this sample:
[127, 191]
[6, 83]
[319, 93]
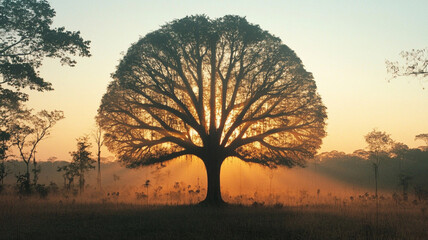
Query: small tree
[379, 145]
[70, 171]
[82, 160]
[27, 132]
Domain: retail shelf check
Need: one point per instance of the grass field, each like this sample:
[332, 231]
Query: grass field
[49, 219]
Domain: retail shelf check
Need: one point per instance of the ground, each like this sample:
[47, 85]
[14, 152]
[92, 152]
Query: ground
[45, 219]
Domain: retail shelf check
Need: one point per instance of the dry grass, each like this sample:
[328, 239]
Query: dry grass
[51, 219]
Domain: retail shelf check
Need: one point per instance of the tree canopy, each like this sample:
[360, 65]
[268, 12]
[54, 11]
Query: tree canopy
[26, 38]
[82, 161]
[28, 130]
[380, 146]
[379, 142]
[213, 88]
[413, 63]
[423, 137]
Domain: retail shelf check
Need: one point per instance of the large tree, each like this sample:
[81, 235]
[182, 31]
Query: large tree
[26, 38]
[214, 89]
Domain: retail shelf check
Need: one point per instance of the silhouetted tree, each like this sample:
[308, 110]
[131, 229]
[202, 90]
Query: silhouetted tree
[36, 169]
[147, 185]
[4, 139]
[379, 145]
[399, 151]
[404, 182]
[82, 161]
[26, 39]
[423, 137]
[69, 172]
[214, 89]
[99, 141]
[415, 64]
[27, 132]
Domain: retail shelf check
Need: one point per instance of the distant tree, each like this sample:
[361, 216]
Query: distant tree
[404, 182]
[82, 161]
[415, 64]
[147, 185]
[116, 178]
[52, 159]
[214, 89]
[70, 171]
[399, 151]
[99, 141]
[379, 146]
[26, 39]
[361, 153]
[28, 131]
[423, 137]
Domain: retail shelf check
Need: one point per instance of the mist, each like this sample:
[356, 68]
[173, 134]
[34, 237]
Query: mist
[331, 176]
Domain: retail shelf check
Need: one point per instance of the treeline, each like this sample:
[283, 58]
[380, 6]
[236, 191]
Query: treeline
[49, 172]
[354, 169]
[52, 177]
[405, 170]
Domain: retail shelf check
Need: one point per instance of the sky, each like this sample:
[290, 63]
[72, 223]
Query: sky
[343, 43]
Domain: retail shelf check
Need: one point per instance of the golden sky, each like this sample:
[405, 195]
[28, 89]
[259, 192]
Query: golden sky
[343, 43]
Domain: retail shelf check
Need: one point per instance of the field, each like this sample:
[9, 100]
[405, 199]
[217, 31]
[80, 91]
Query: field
[52, 219]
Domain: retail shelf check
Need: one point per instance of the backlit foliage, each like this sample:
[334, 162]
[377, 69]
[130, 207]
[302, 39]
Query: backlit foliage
[201, 86]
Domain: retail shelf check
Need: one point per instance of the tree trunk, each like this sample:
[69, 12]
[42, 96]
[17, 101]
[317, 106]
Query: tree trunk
[35, 170]
[99, 171]
[35, 173]
[27, 178]
[376, 168]
[81, 183]
[27, 175]
[213, 166]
